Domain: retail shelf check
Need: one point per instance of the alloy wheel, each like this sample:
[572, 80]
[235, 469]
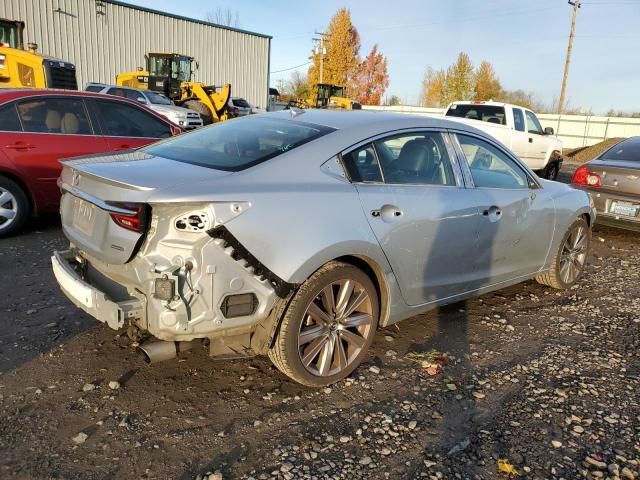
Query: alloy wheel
[336, 326]
[574, 254]
[8, 208]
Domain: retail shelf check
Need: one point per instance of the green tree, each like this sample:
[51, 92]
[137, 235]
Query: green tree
[297, 86]
[394, 100]
[459, 84]
[372, 79]
[342, 59]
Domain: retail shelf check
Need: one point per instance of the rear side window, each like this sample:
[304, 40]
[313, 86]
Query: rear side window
[518, 119]
[484, 113]
[238, 144]
[124, 120]
[418, 158]
[362, 165]
[241, 102]
[66, 116]
[9, 119]
[94, 88]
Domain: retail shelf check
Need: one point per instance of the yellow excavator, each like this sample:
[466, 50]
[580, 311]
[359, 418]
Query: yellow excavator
[327, 96]
[20, 68]
[170, 74]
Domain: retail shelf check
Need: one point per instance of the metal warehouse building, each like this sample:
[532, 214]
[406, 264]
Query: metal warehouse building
[105, 37]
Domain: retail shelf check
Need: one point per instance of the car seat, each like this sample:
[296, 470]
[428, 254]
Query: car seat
[70, 124]
[52, 121]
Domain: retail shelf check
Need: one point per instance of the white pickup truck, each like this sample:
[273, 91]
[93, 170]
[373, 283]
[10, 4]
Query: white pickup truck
[517, 128]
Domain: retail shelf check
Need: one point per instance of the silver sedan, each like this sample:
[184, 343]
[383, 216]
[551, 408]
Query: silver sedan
[299, 234]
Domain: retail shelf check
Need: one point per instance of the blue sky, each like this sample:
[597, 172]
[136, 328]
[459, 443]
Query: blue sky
[525, 40]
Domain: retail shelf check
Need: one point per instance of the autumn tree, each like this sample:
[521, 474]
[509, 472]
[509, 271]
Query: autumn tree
[341, 62]
[433, 87]
[372, 79]
[487, 86]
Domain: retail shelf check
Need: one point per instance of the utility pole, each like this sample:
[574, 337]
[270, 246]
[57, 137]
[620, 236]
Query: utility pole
[576, 5]
[321, 50]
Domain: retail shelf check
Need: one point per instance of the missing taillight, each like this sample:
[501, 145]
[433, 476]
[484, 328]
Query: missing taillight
[135, 219]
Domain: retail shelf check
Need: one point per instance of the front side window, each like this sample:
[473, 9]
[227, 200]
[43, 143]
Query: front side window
[238, 144]
[66, 116]
[9, 121]
[533, 125]
[518, 120]
[362, 165]
[415, 158]
[490, 167]
[124, 120]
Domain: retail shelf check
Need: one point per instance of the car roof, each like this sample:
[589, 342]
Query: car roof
[16, 93]
[346, 119]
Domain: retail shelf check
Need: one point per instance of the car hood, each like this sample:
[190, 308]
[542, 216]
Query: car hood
[133, 173]
[170, 109]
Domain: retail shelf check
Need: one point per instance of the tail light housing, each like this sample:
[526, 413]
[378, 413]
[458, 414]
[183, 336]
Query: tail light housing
[235, 110]
[583, 176]
[135, 218]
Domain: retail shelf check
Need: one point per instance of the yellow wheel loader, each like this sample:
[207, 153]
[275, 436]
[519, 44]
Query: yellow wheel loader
[170, 74]
[327, 96]
[20, 68]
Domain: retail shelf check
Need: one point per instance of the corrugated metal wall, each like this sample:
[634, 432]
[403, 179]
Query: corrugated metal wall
[103, 38]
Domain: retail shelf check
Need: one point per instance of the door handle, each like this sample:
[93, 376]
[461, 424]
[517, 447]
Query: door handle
[530, 139]
[19, 146]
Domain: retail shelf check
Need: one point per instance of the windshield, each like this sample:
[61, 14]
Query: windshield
[627, 150]
[157, 99]
[9, 34]
[238, 144]
[485, 113]
[176, 67]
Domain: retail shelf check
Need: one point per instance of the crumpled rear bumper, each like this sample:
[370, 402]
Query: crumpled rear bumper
[90, 299]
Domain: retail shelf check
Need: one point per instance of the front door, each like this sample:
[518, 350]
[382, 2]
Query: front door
[423, 217]
[517, 215]
[537, 143]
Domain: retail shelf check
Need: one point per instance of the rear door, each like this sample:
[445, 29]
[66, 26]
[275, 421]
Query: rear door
[420, 212]
[517, 215]
[53, 128]
[125, 126]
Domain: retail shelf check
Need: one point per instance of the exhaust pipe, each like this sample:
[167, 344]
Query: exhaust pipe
[154, 352]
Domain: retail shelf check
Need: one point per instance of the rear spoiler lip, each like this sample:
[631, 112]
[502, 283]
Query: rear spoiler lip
[94, 200]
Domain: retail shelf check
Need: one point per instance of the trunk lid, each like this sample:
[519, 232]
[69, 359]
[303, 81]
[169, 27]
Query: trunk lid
[104, 207]
[618, 176]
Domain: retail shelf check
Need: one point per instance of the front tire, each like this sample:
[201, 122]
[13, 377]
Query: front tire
[328, 326]
[14, 207]
[569, 261]
[551, 171]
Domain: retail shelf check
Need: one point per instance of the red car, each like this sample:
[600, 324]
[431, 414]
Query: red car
[40, 127]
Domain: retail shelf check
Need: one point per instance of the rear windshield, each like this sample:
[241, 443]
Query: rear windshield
[627, 150]
[485, 113]
[241, 102]
[238, 144]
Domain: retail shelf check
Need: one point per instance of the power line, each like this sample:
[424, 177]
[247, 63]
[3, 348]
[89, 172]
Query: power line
[290, 68]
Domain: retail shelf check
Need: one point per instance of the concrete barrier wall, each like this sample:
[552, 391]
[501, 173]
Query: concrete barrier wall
[574, 130]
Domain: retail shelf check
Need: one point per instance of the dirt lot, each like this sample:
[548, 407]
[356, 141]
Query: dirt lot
[547, 380]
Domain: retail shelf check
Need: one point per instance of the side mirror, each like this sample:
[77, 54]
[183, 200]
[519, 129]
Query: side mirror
[141, 100]
[548, 130]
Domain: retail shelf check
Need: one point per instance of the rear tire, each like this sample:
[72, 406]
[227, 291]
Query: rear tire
[569, 261]
[328, 326]
[14, 207]
[201, 108]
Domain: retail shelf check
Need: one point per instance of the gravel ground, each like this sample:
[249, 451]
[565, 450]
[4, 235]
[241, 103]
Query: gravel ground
[527, 380]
